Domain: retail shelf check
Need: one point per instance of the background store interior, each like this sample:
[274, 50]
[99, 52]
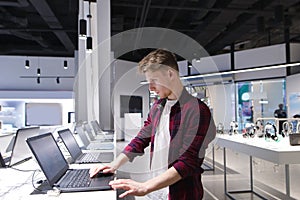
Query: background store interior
[50, 91]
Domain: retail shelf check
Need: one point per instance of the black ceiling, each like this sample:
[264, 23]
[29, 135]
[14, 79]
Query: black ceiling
[49, 27]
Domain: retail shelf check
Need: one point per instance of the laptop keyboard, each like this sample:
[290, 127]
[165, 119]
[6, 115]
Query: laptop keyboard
[90, 157]
[77, 178]
[102, 146]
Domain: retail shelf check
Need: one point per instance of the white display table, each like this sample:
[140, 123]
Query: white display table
[18, 184]
[277, 152]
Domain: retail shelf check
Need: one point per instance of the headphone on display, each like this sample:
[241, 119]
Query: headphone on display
[250, 130]
[220, 128]
[298, 127]
[233, 127]
[271, 131]
[287, 128]
[259, 128]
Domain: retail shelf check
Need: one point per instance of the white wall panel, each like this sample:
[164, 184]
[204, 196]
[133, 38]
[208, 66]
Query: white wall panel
[211, 64]
[262, 56]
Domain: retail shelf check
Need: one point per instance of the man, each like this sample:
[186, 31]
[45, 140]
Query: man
[280, 113]
[178, 129]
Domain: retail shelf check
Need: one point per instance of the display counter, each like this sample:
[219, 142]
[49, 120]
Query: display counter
[280, 152]
[18, 183]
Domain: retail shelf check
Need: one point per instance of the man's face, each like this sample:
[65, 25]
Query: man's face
[159, 82]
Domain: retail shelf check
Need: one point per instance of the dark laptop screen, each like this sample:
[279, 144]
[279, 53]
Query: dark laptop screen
[70, 143]
[49, 156]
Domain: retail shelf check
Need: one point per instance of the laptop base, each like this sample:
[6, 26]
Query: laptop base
[2, 162]
[43, 188]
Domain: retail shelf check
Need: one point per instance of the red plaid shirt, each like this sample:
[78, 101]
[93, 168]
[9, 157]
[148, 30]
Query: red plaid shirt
[191, 129]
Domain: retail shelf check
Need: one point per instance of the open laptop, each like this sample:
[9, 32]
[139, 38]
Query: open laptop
[98, 131]
[100, 137]
[19, 149]
[77, 155]
[92, 145]
[57, 171]
[96, 127]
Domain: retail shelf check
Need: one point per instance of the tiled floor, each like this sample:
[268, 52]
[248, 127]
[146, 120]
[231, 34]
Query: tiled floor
[269, 178]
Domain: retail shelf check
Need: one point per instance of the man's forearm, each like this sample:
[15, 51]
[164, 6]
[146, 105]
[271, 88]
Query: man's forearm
[169, 177]
[119, 161]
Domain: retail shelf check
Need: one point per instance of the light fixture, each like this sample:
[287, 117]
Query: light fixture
[57, 80]
[262, 101]
[38, 71]
[38, 80]
[89, 44]
[242, 70]
[82, 29]
[236, 71]
[82, 23]
[65, 64]
[27, 65]
[89, 39]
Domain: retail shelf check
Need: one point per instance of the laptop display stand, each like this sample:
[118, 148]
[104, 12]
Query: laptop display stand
[2, 163]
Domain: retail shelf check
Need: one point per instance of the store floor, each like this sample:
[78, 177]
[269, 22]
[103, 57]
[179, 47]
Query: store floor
[269, 178]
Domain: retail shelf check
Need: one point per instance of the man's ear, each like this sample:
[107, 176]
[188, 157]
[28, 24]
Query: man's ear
[170, 73]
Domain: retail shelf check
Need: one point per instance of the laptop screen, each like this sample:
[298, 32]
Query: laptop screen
[82, 136]
[70, 142]
[20, 150]
[95, 126]
[89, 131]
[49, 156]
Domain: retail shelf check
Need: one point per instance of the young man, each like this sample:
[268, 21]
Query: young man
[178, 129]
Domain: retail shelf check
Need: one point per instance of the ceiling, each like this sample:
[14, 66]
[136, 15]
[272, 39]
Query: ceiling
[49, 27]
[38, 27]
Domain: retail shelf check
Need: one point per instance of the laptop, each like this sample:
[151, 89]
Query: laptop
[77, 155]
[93, 137]
[94, 145]
[57, 171]
[19, 150]
[96, 127]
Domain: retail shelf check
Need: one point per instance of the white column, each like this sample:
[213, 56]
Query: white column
[80, 84]
[92, 69]
[86, 84]
[104, 65]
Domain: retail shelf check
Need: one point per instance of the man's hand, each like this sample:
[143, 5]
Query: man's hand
[105, 168]
[131, 187]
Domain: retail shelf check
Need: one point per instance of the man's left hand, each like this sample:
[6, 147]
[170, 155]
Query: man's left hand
[131, 187]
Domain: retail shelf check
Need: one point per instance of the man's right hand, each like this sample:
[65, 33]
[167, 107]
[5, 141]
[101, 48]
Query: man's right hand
[104, 168]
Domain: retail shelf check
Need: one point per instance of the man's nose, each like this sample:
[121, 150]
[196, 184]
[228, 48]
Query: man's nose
[151, 86]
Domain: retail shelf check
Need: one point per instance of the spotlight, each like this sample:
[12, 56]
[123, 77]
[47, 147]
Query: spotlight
[27, 66]
[57, 80]
[65, 64]
[82, 28]
[89, 44]
[38, 71]
[38, 80]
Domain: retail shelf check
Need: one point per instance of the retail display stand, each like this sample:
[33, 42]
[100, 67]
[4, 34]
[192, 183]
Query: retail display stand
[277, 152]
